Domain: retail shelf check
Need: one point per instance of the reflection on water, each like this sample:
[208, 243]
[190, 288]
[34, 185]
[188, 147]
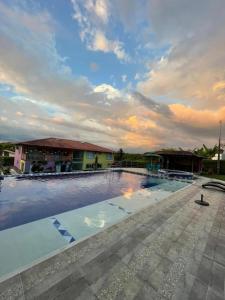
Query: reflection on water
[26, 200]
[148, 181]
[98, 221]
[128, 192]
[12, 184]
[29, 199]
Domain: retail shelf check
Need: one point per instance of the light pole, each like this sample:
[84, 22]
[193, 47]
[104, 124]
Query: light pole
[218, 161]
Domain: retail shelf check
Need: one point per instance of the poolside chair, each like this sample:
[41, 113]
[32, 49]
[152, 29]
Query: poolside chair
[214, 184]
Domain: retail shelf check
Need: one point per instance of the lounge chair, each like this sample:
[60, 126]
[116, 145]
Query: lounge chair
[214, 184]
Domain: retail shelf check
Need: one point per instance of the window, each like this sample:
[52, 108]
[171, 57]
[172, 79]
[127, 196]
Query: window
[78, 155]
[90, 155]
[109, 156]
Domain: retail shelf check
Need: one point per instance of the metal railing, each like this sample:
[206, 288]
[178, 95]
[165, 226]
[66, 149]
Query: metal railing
[128, 164]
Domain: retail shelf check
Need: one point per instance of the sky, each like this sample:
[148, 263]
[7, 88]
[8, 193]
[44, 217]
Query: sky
[134, 74]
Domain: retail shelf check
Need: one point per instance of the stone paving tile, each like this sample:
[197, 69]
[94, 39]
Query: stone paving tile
[129, 256]
[140, 233]
[130, 289]
[156, 277]
[210, 275]
[204, 273]
[72, 293]
[51, 282]
[171, 250]
[149, 267]
[218, 278]
[42, 273]
[96, 268]
[220, 239]
[185, 262]
[140, 259]
[113, 282]
[146, 292]
[220, 254]
[213, 295]
[199, 290]
[70, 287]
[175, 251]
[184, 287]
[12, 289]
[193, 262]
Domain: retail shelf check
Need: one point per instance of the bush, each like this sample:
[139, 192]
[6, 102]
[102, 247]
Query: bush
[6, 161]
[6, 170]
[131, 157]
[210, 166]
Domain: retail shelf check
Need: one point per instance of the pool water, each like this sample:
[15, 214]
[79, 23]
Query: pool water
[28, 199]
[55, 211]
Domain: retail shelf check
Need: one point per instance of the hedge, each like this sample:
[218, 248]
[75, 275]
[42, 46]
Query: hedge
[210, 166]
[6, 161]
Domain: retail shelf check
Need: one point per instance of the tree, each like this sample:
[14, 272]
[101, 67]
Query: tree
[121, 153]
[206, 152]
[7, 146]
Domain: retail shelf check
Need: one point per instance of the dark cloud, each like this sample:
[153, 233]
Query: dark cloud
[160, 108]
[52, 101]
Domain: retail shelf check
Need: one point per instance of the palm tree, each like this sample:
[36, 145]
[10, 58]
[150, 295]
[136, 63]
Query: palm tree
[206, 152]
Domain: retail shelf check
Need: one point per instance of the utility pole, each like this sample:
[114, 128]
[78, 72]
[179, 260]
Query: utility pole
[219, 146]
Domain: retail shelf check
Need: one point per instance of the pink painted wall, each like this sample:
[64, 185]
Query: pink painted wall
[49, 167]
[17, 158]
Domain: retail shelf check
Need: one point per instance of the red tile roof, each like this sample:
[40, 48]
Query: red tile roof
[176, 152]
[65, 144]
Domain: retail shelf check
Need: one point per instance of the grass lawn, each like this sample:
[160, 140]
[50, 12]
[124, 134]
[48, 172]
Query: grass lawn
[220, 177]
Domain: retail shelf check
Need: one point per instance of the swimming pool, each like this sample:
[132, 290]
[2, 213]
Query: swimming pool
[28, 199]
[45, 214]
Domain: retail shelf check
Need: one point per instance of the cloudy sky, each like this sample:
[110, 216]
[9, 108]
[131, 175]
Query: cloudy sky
[136, 74]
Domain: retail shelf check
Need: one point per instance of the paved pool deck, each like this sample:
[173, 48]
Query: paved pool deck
[173, 249]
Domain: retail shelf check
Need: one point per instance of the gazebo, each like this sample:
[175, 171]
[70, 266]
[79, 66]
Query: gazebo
[180, 160]
[154, 161]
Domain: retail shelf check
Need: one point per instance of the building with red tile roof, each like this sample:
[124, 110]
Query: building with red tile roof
[60, 155]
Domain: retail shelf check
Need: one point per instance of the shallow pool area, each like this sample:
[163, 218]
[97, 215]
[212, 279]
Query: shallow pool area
[23, 200]
[42, 215]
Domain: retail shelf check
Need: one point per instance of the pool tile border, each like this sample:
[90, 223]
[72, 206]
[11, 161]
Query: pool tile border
[141, 172]
[120, 207]
[62, 230]
[55, 174]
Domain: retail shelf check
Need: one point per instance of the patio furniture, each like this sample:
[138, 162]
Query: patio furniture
[214, 184]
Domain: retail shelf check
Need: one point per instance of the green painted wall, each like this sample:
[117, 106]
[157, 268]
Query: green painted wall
[102, 160]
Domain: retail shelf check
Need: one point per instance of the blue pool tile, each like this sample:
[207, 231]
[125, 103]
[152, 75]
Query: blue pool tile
[62, 230]
[22, 245]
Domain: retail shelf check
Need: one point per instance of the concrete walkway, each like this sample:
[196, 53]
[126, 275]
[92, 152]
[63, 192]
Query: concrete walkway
[174, 249]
